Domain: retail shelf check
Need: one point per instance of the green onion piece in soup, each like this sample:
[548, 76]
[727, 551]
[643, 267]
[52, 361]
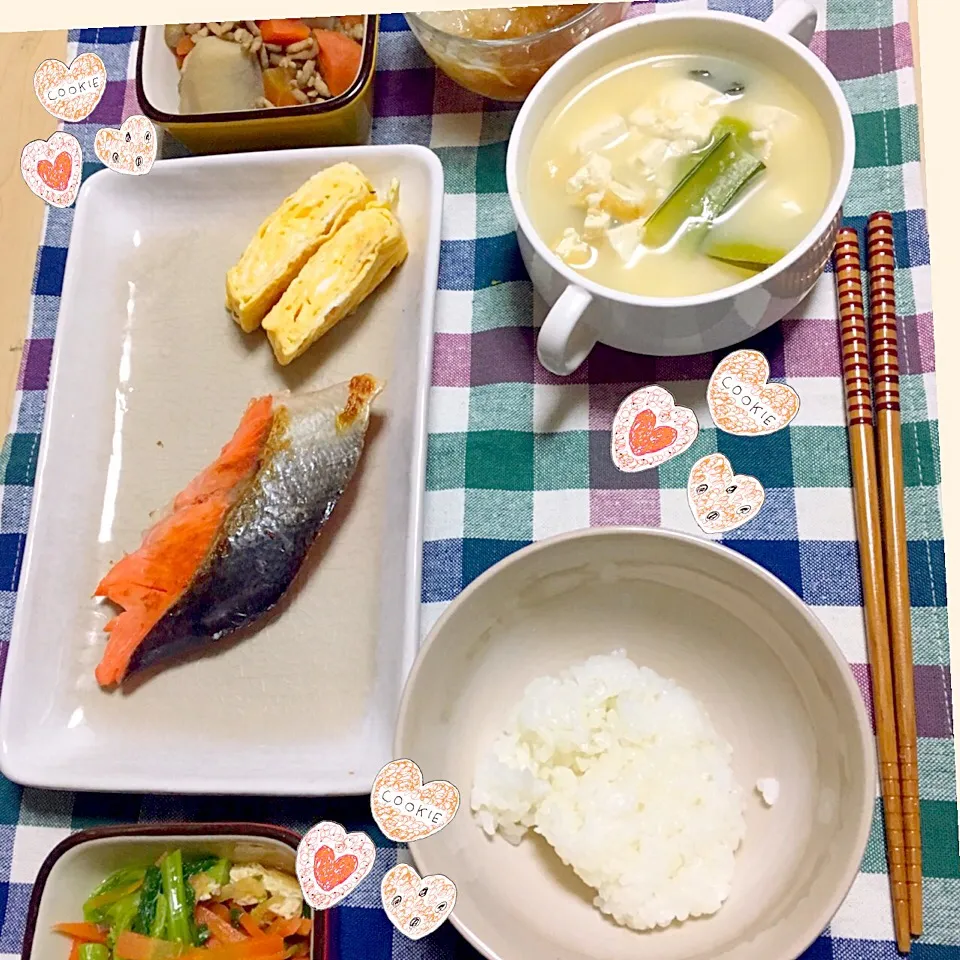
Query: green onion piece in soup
[706, 190]
[749, 256]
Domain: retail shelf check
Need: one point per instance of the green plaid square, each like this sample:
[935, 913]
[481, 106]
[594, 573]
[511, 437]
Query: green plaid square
[937, 764]
[446, 461]
[18, 459]
[459, 168]
[561, 461]
[886, 137]
[923, 513]
[498, 514]
[847, 15]
[913, 398]
[871, 183]
[865, 94]
[930, 631]
[906, 301]
[502, 305]
[506, 406]
[499, 460]
[820, 456]
[921, 453]
[494, 214]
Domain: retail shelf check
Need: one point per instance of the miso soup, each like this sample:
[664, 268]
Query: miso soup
[678, 174]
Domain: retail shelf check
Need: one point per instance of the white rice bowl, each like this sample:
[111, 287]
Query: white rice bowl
[623, 774]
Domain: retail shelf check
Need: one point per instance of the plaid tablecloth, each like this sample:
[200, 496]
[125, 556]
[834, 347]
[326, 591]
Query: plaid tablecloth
[516, 454]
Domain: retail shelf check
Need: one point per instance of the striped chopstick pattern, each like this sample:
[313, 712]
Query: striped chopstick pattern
[856, 374]
[884, 356]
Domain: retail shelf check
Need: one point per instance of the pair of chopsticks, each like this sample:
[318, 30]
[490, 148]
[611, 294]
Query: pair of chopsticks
[873, 418]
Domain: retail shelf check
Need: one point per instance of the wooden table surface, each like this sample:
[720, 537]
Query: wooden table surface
[21, 213]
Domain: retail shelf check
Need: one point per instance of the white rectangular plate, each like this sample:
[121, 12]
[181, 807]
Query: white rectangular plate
[150, 378]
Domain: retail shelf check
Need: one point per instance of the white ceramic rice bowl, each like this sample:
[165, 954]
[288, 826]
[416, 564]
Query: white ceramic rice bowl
[772, 679]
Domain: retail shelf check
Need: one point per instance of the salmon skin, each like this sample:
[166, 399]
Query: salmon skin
[237, 535]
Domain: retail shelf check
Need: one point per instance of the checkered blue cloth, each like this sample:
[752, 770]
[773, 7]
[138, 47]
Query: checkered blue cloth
[504, 470]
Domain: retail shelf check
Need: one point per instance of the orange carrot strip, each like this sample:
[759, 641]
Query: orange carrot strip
[283, 32]
[219, 926]
[284, 928]
[84, 932]
[184, 45]
[250, 925]
[135, 946]
[253, 948]
[306, 925]
[338, 59]
[74, 949]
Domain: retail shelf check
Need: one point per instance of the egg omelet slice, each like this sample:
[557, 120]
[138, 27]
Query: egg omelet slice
[286, 240]
[336, 280]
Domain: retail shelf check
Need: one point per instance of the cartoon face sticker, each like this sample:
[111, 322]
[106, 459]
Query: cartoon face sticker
[416, 906]
[719, 500]
[131, 149]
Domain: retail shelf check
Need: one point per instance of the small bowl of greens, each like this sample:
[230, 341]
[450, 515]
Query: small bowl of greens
[222, 891]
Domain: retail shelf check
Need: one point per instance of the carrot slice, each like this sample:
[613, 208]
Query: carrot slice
[84, 932]
[184, 45]
[284, 928]
[338, 58]
[283, 32]
[277, 87]
[250, 925]
[135, 946]
[306, 925]
[74, 949]
[219, 925]
[253, 948]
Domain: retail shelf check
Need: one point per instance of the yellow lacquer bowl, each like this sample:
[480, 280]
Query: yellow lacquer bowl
[341, 121]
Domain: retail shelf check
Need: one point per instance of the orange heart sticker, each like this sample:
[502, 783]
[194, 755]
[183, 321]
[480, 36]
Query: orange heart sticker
[56, 175]
[332, 863]
[649, 429]
[52, 168]
[329, 870]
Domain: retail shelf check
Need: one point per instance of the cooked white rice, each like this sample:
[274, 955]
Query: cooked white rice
[622, 772]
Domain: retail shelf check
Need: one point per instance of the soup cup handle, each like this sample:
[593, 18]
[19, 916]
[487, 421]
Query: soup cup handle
[565, 338]
[796, 17]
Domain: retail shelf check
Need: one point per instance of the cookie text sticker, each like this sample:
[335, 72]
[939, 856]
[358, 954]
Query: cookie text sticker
[650, 429]
[406, 808]
[741, 400]
[332, 863]
[71, 93]
[719, 499]
[416, 905]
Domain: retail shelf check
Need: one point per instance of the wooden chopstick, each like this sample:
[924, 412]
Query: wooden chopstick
[884, 356]
[856, 376]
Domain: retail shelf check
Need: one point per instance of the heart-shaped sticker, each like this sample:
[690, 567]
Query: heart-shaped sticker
[71, 93]
[720, 500]
[406, 808]
[131, 149]
[416, 906]
[52, 168]
[332, 863]
[650, 429]
[743, 403]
